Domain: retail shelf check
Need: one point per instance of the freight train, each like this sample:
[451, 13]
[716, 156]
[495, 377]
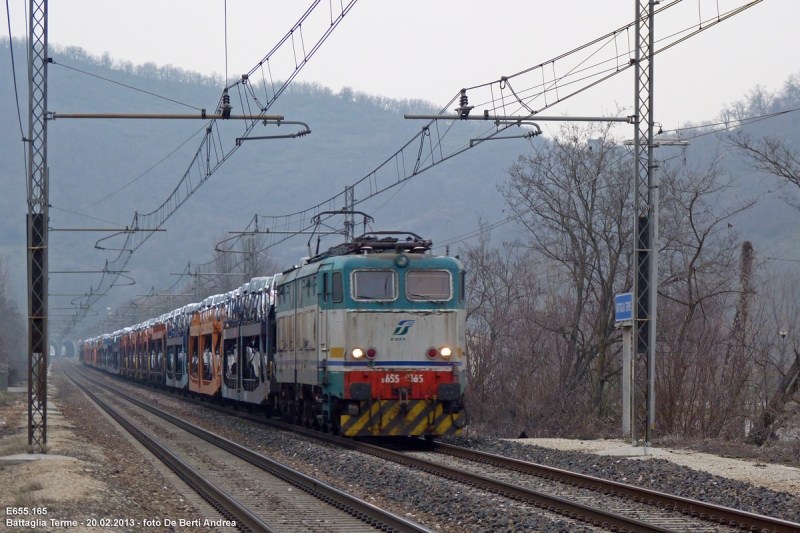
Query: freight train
[366, 339]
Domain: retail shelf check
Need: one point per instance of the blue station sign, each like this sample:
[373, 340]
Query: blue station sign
[623, 307]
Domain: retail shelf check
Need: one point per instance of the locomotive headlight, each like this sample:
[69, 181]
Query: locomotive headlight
[446, 352]
[358, 353]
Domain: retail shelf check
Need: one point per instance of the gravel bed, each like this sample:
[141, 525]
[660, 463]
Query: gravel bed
[439, 504]
[132, 487]
[273, 500]
[655, 474]
[639, 511]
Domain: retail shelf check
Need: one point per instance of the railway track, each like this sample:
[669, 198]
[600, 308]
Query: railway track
[725, 516]
[264, 499]
[624, 508]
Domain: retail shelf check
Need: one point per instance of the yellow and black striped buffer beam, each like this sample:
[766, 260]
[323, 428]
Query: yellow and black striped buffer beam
[393, 417]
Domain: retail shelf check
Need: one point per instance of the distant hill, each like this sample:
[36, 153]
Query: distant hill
[771, 224]
[352, 134]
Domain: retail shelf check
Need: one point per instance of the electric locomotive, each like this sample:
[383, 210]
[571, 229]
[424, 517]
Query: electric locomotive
[371, 339]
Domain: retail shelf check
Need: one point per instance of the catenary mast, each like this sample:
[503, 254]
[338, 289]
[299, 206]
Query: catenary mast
[37, 223]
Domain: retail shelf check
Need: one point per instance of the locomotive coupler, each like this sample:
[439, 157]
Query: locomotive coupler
[380, 414]
[402, 393]
[432, 415]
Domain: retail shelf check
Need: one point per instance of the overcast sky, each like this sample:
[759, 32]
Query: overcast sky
[430, 48]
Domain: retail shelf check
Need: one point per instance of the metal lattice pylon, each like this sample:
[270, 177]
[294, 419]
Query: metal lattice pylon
[37, 227]
[645, 223]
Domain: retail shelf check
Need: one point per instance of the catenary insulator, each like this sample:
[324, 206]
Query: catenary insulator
[464, 108]
[226, 108]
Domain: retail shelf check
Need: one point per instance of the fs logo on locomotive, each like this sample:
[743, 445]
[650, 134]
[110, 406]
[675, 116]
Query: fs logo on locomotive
[402, 328]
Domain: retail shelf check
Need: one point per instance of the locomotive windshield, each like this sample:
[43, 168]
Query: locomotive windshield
[428, 285]
[374, 285]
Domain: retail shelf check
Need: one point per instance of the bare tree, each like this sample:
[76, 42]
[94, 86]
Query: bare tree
[501, 344]
[543, 348]
[573, 196]
[13, 337]
[774, 381]
[255, 262]
[699, 386]
[771, 155]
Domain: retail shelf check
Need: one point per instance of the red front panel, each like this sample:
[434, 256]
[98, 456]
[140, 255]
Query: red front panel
[420, 384]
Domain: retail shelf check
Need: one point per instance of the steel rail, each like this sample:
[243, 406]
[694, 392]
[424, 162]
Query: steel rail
[704, 510]
[547, 502]
[219, 499]
[380, 518]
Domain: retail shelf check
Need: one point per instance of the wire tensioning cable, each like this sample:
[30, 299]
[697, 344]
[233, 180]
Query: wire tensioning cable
[125, 85]
[600, 70]
[728, 123]
[143, 174]
[122, 226]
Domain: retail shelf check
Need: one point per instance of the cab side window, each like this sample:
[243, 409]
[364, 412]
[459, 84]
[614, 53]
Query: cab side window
[337, 291]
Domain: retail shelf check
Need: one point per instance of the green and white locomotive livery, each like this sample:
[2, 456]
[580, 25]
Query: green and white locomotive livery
[371, 339]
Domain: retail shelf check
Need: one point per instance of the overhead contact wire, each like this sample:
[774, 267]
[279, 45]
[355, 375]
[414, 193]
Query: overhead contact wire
[16, 91]
[226, 42]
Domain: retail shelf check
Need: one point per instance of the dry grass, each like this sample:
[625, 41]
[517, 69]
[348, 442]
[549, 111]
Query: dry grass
[6, 399]
[13, 437]
[31, 487]
[25, 496]
[773, 452]
[14, 447]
